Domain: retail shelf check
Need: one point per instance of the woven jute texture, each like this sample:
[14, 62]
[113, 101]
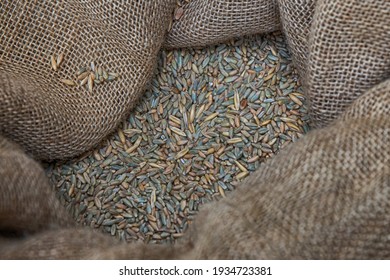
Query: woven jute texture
[52, 120]
[27, 202]
[78, 243]
[296, 17]
[206, 22]
[348, 53]
[340, 48]
[326, 197]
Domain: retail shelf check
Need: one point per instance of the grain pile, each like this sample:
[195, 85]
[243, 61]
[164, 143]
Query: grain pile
[210, 117]
[88, 76]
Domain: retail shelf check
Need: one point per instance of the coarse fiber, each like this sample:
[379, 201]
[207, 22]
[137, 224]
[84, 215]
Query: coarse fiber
[340, 48]
[324, 197]
[52, 120]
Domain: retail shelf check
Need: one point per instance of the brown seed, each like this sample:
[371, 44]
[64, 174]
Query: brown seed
[90, 83]
[221, 191]
[192, 113]
[237, 121]
[83, 82]
[257, 120]
[151, 218]
[243, 103]
[295, 99]
[191, 127]
[253, 159]
[182, 153]
[175, 120]
[71, 190]
[265, 122]
[121, 136]
[153, 197]
[293, 126]
[287, 120]
[268, 77]
[155, 165]
[98, 203]
[82, 76]
[135, 146]
[210, 117]
[53, 63]
[242, 175]
[178, 131]
[236, 101]
[221, 150]
[242, 168]
[60, 58]
[68, 82]
[234, 140]
[200, 111]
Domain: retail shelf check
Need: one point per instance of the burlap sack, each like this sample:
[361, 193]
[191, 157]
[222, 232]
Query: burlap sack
[52, 120]
[77, 243]
[296, 17]
[348, 53]
[27, 201]
[206, 22]
[340, 48]
[325, 197]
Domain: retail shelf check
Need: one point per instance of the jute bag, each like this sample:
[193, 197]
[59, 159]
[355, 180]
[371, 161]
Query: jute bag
[325, 197]
[206, 22]
[27, 202]
[48, 118]
[339, 47]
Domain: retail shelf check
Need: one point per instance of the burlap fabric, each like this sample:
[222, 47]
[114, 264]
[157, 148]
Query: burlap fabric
[52, 120]
[78, 243]
[339, 47]
[27, 202]
[297, 17]
[325, 197]
[206, 22]
[348, 54]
